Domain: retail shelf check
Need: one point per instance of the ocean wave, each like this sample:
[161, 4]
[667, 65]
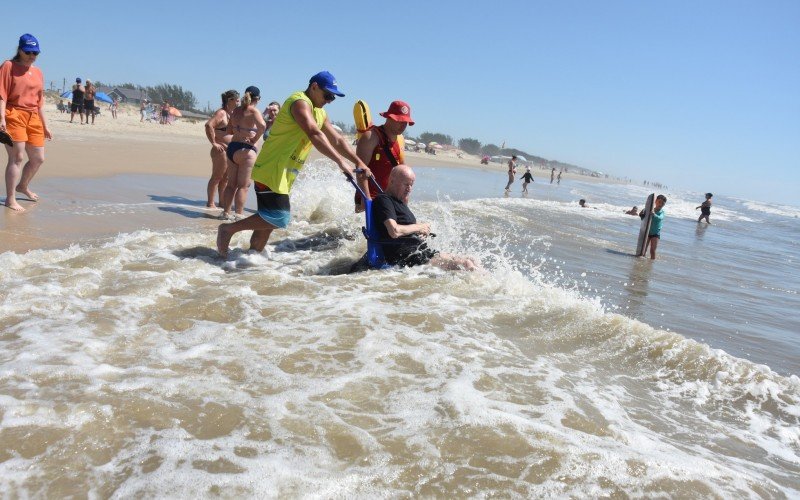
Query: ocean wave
[773, 209]
[176, 366]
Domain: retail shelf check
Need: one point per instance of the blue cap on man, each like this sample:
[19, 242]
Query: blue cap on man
[327, 82]
[29, 43]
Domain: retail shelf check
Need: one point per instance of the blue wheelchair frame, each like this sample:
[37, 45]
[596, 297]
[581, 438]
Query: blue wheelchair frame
[375, 258]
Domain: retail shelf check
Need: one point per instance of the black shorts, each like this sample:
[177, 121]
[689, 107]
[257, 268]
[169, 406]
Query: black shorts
[272, 207]
[418, 256]
[88, 106]
[76, 108]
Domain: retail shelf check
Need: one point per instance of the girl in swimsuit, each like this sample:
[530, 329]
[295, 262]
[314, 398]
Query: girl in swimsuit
[247, 126]
[217, 133]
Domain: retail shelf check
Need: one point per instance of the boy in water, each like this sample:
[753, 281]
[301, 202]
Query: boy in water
[705, 208]
[655, 226]
[528, 178]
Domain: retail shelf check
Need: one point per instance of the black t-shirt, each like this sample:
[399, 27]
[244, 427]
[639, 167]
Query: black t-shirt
[400, 250]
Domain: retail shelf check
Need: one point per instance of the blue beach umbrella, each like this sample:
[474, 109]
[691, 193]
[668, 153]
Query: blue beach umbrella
[67, 94]
[103, 97]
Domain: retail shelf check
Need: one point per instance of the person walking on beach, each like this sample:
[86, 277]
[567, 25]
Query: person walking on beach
[88, 100]
[143, 110]
[380, 150]
[552, 175]
[558, 179]
[22, 117]
[301, 123]
[512, 171]
[654, 236]
[269, 116]
[246, 126]
[77, 101]
[527, 179]
[113, 108]
[217, 133]
[395, 220]
[705, 208]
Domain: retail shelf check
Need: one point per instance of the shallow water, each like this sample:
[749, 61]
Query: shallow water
[143, 365]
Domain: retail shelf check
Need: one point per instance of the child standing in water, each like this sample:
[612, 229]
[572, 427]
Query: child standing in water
[705, 208]
[528, 178]
[655, 225]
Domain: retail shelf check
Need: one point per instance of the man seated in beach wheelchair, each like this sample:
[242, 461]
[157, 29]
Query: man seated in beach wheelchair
[400, 236]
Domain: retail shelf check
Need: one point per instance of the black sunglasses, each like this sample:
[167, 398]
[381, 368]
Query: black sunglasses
[329, 96]
[30, 53]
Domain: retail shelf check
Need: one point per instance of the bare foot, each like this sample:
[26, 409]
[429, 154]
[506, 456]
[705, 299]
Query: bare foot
[210, 205]
[223, 239]
[27, 192]
[13, 205]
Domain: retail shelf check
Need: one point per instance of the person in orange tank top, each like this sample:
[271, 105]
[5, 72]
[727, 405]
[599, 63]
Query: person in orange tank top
[22, 119]
[379, 148]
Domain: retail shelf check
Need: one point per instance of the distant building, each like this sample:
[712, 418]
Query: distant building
[131, 96]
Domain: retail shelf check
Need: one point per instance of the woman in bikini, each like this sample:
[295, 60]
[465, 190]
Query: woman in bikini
[247, 126]
[218, 135]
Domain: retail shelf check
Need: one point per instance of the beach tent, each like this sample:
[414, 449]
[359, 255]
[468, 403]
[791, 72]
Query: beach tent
[410, 142]
[67, 95]
[437, 146]
[521, 158]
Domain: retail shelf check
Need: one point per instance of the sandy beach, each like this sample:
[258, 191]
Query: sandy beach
[90, 162]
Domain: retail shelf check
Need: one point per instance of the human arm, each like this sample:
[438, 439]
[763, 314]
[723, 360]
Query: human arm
[48, 135]
[211, 125]
[302, 114]
[342, 147]
[395, 230]
[364, 148]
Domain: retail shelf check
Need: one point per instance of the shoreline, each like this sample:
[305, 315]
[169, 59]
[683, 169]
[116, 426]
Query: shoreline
[96, 181]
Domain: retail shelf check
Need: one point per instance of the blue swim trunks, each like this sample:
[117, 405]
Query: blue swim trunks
[274, 208]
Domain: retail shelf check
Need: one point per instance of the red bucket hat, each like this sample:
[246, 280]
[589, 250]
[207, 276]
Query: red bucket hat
[399, 111]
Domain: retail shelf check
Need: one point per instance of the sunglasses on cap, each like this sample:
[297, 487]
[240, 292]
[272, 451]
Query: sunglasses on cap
[29, 53]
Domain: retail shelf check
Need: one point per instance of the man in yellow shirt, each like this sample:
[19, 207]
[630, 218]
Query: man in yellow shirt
[300, 124]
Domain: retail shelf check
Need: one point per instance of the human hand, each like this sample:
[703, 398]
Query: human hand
[220, 147]
[48, 135]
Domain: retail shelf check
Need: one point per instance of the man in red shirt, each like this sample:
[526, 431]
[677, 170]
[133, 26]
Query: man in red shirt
[380, 150]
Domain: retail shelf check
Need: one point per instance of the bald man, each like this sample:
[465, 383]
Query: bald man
[395, 221]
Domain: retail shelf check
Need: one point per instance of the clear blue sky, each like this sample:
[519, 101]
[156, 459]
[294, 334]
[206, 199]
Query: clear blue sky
[703, 95]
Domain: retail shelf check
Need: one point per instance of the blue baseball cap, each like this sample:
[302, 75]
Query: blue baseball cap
[254, 92]
[327, 81]
[29, 43]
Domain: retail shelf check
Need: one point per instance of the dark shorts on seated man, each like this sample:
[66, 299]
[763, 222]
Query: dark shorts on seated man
[409, 254]
[272, 207]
